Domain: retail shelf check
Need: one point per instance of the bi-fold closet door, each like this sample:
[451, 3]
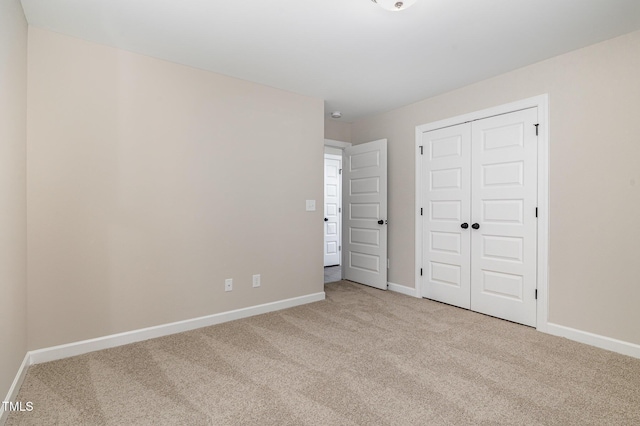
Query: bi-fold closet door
[479, 226]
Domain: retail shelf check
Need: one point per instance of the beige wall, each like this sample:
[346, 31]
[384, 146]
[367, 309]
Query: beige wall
[149, 183]
[13, 138]
[594, 93]
[337, 130]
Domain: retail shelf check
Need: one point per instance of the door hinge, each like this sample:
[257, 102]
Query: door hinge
[536, 294]
[421, 153]
[339, 248]
[420, 211]
[340, 170]
[420, 271]
[536, 212]
[537, 124]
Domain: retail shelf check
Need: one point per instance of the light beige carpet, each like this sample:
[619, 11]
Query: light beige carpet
[362, 357]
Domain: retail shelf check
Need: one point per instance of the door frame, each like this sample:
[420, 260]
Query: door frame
[542, 103]
[331, 143]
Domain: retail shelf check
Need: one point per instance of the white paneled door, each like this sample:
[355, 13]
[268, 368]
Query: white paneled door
[332, 200]
[480, 227]
[447, 201]
[365, 213]
[503, 204]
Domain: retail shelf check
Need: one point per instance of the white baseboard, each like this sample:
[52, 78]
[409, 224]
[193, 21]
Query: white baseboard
[403, 289]
[111, 341]
[602, 342]
[15, 387]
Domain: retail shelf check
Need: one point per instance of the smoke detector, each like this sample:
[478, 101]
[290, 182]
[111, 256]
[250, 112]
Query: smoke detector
[336, 114]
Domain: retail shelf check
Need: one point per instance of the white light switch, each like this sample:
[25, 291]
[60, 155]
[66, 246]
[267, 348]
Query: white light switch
[311, 205]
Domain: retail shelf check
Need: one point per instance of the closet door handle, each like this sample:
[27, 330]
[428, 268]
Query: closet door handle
[464, 225]
[475, 226]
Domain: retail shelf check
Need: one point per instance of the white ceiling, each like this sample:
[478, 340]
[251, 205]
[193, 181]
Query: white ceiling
[358, 57]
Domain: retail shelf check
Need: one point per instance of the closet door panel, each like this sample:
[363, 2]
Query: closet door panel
[446, 182]
[503, 205]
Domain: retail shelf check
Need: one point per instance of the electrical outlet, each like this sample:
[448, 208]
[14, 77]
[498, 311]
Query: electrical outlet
[256, 280]
[228, 284]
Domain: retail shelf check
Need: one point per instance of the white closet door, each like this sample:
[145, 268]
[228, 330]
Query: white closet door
[504, 197]
[447, 204]
[365, 213]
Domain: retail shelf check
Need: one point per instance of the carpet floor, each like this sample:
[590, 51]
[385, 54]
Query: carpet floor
[361, 357]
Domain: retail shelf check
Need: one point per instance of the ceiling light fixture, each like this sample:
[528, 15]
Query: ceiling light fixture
[394, 5]
[336, 114]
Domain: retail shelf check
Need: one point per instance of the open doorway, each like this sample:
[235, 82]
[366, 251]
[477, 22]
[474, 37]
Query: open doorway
[356, 223]
[332, 210]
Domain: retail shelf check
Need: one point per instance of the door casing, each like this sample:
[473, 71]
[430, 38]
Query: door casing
[541, 102]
